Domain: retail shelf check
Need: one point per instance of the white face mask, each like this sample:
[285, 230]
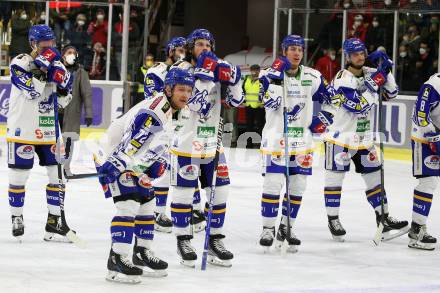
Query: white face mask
[387, 2]
[422, 51]
[23, 16]
[332, 57]
[357, 23]
[70, 59]
[43, 17]
[412, 1]
[403, 54]
[100, 17]
[375, 23]
[81, 22]
[405, 38]
[346, 5]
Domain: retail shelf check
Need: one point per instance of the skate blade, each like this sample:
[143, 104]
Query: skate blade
[378, 236]
[122, 278]
[292, 249]
[279, 245]
[265, 249]
[218, 262]
[54, 237]
[199, 227]
[338, 238]
[422, 246]
[163, 229]
[73, 238]
[150, 273]
[188, 263]
[19, 239]
[389, 236]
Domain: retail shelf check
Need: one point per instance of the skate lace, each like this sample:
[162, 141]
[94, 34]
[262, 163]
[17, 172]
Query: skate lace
[18, 222]
[267, 234]
[125, 260]
[423, 233]
[392, 220]
[337, 224]
[186, 246]
[150, 256]
[218, 245]
[163, 218]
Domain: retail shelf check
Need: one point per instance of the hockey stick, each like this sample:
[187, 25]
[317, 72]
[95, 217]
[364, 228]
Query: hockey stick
[61, 192]
[286, 158]
[211, 196]
[378, 236]
[82, 176]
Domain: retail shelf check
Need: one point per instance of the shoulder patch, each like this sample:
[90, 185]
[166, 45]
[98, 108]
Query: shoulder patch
[156, 102]
[339, 75]
[166, 107]
[426, 93]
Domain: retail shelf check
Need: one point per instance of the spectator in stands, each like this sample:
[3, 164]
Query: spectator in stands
[78, 37]
[20, 25]
[5, 13]
[413, 40]
[255, 119]
[327, 64]
[98, 28]
[423, 66]
[358, 29]
[140, 76]
[404, 70]
[98, 67]
[70, 116]
[432, 35]
[61, 23]
[40, 18]
[375, 35]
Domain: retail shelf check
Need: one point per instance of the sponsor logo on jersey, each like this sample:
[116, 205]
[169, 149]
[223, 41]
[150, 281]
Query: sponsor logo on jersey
[304, 161]
[189, 172]
[39, 134]
[198, 146]
[222, 171]
[17, 131]
[372, 156]
[45, 121]
[126, 180]
[156, 102]
[53, 149]
[363, 125]
[205, 131]
[25, 152]
[295, 132]
[166, 107]
[343, 158]
[432, 162]
[306, 82]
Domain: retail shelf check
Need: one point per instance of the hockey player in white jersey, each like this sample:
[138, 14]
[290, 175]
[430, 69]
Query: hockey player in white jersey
[425, 141]
[303, 86]
[194, 147]
[154, 82]
[351, 136]
[31, 125]
[130, 158]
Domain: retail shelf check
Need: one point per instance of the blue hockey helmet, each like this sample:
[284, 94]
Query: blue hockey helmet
[174, 43]
[40, 32]
[353, 45]
[292, 40]
[200, 33]
[179, 76]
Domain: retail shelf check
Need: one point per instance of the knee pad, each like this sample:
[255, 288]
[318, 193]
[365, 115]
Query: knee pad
[298, 184]
[371, 179]
[273, 183]
[221, 194]
[427, 184]
[127, 208]
[52, 173]
[182, 195]
[333, 178]
[18, 177]
[147, 208]
[163, 181]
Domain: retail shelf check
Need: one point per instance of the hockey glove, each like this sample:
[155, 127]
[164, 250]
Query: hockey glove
[58, 74]
[227, 74]
[111, 169]
[157, 169]
[376, 80]
[381, 59]
[206, 66]
[276, 71]
[320, 122]
[45, 59]
[433, 139]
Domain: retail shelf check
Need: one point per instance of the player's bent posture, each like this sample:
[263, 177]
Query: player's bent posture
[31, 125]
[303, 86]
[351, 136]
[194, 147]
[154, 82]
[139, 137]
[425, 141]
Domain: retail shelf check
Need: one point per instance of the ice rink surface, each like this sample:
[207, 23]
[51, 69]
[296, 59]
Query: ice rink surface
[321, 265]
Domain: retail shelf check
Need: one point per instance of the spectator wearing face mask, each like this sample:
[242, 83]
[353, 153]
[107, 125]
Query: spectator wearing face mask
[404, 70]
[97, 69]
[140, 76]
[375, 35]
[70, 116]
[414, 40]
[358, 29]
[20, 25]
[423, 65]
[327, 65]
[78, 37]
[98, 28]
[432, 35]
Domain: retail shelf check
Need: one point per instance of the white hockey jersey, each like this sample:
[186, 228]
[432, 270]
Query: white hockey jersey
[355, 130]
[31, 117]
[302, 90]
[426, 114]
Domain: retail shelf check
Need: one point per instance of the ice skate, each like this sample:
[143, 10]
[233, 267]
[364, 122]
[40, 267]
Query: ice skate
[392, 228]
[151, 265]
[55, 230]
[336, 229]
[121, 270]
[420, 239]
[267, 237]
[198, 221]
[17, 227]
[218, 255]
[292, 243]
[163, 223]
[186, 252]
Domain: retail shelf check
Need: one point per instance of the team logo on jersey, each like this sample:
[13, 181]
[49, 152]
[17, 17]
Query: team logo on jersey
[17, 132]
[53, 149]
[45, 107]
[432, 162]
[126, 179]
[189, 172]
[343, 158]
[145, 182]
[293, 113]
[222, 171]
[372, 156]
[25, 152]
[304, 161]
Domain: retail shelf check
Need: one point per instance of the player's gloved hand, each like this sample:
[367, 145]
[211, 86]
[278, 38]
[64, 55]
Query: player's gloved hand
[433, 139]
[321, 121]
[45, 59]
[276, 71]
[111, 169]
[376, 80]
[380, 59]
[227, 74]
[57, 73]
[89, 121]
[206, 66]
[157, 169]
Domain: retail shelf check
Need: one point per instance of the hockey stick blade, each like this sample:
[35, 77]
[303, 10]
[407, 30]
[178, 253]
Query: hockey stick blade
[76, 240]
[378, 236]
[82, 176]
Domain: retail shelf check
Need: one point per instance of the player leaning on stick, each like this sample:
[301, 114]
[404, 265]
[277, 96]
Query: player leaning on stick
[139, 137]
[303, 86]
[31, 125]
[425, 141]
[351, 136]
